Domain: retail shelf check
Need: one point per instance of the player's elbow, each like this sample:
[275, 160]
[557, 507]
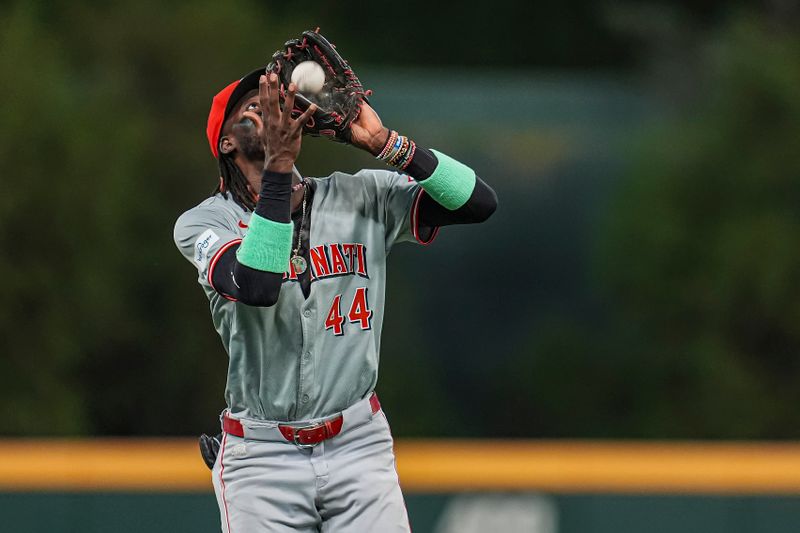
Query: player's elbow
[255, 287]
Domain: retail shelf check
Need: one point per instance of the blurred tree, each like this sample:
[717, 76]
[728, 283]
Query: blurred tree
[36, 319]
[700, 254]
[97, 104]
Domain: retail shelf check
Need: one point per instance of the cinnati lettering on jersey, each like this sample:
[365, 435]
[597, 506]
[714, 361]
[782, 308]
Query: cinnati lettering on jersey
[335, 259]
[202, 245]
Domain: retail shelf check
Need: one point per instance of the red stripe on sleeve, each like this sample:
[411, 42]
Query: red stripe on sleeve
[415, 220]
[213, 264]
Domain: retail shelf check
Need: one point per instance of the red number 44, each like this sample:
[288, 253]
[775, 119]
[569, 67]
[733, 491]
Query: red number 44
[359, 313]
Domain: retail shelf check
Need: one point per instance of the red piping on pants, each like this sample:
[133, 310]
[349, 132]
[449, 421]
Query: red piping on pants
[222, 481]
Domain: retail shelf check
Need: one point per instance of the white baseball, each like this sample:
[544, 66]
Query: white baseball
[309, 77]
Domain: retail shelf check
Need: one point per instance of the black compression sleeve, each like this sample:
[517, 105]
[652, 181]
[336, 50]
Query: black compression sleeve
[245, 284]
[480, 206]
[248, 285]
[274, 202]
[422, 165]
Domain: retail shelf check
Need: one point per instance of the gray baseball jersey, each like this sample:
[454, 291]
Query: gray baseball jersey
[308, 358]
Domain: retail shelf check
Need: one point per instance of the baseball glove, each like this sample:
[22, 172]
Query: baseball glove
[209, 449]
[339, 101]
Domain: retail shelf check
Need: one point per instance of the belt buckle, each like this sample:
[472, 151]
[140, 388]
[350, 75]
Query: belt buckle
[296, 433]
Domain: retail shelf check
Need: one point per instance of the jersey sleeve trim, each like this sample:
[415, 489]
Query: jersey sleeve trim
[213, 264]
[415, 220]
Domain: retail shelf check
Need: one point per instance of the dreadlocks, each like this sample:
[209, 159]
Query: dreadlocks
[234, 182]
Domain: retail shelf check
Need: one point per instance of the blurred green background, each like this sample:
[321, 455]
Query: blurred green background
[641, 277]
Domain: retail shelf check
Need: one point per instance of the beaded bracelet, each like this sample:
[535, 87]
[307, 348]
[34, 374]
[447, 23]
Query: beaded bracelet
[389, 144]
[407, 161]
[397, 155]
[398, 151]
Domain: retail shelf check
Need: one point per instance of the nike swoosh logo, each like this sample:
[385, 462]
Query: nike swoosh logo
[242, 225]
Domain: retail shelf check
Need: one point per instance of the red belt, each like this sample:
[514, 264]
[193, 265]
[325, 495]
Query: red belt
[301, 435]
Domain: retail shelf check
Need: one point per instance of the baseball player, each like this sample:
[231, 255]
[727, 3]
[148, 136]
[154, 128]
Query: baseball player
[294, 269]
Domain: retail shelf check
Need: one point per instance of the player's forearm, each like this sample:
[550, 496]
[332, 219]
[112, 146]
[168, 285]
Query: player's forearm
[455, 194]
[268, 242]
[253, 272]
[274, 200]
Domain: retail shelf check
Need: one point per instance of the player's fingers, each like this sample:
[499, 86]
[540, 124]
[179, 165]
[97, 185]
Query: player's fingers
[263, 99]
[273, 105]
[305, 117]
[288, 104]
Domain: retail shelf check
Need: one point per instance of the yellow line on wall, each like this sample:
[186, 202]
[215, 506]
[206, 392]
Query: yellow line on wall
[429, 466]
[130, 464]
[603, 467]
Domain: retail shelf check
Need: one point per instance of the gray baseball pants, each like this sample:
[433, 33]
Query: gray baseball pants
[346, 484]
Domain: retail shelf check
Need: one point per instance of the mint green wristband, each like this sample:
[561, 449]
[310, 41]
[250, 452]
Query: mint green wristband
[267, 245]
[451, 184]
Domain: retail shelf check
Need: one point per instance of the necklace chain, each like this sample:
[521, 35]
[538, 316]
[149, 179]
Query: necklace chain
[302, 220]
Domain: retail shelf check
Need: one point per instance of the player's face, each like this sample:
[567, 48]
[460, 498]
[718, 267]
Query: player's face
[243, 130]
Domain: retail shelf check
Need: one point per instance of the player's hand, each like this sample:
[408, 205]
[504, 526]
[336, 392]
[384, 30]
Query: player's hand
[279, 133]
[367, 131]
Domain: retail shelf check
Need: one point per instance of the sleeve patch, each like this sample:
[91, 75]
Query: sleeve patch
[202, 246]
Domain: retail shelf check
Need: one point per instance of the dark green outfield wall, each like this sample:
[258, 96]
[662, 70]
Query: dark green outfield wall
[197, 513]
